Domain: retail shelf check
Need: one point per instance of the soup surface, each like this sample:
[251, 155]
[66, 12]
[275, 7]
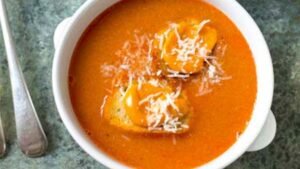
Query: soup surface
[216, 81]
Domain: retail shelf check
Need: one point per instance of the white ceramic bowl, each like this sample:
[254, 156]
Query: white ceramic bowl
[262, 126]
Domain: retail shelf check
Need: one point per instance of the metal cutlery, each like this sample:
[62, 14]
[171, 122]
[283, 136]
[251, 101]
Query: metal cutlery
[2, 140]
[31, 137]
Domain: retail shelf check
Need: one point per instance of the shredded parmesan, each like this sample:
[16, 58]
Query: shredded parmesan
[149, 97]
[103, 105]
[158, 110]
[125, 137]
[137, 62]
[186, 48]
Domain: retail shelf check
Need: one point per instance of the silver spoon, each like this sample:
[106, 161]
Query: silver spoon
[2, 140]
[31, 137]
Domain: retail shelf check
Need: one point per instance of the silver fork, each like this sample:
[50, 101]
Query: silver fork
[31, 137]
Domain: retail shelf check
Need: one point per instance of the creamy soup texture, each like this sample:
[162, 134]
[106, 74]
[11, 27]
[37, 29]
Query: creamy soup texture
[163, 83]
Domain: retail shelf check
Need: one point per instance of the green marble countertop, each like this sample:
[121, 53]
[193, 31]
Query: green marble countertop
[33, 23]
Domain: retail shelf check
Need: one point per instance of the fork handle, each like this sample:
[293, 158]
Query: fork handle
[31, 137]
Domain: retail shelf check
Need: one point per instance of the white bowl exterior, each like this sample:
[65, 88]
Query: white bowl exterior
[82, 18]
[92, 8]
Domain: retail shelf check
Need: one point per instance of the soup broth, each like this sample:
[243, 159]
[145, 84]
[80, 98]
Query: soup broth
[219, 113]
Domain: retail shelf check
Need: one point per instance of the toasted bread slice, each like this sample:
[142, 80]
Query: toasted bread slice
[114, 112]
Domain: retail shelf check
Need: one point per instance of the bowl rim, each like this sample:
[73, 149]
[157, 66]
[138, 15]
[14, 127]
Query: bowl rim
[265, 93]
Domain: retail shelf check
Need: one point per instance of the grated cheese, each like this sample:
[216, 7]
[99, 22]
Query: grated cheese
[186, 47]
[103, 105]
[158, 109]
[136, 62]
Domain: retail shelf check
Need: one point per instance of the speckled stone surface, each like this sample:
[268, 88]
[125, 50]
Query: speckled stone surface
[33, 24]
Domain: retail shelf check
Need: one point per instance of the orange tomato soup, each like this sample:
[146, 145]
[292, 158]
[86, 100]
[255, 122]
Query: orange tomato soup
[219, 116]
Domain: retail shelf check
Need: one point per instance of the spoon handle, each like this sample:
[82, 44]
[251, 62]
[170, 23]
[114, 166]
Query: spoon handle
[2, 140]
[31, 137]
